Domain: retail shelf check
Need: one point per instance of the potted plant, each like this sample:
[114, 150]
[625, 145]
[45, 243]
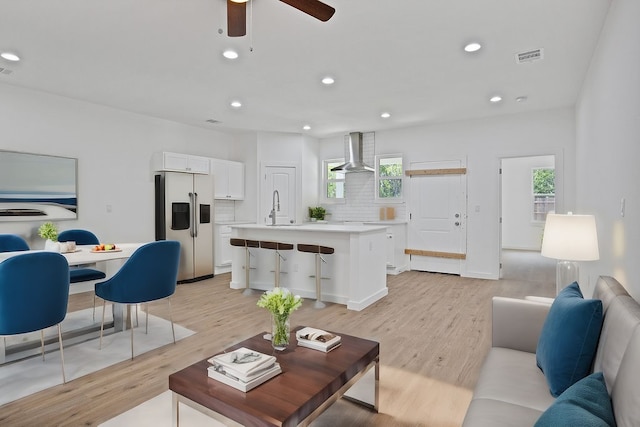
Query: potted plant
[317, 213]
[49, 232]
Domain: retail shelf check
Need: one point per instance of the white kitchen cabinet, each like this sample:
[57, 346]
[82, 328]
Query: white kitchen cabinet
[228, 179]
[396, 242]
[222, 253]
[177, 162]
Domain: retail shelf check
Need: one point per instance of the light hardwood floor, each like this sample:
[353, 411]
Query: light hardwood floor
[433, 329]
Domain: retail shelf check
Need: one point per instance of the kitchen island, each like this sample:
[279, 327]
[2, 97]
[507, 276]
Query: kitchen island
[354, 275]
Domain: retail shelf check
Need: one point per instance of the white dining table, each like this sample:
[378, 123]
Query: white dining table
[84, 254]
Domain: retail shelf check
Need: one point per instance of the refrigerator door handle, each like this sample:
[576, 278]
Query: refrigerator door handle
[193, 215]
[196, 219]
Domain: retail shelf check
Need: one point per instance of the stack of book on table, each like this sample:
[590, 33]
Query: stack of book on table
[317, 339]
[243, 369]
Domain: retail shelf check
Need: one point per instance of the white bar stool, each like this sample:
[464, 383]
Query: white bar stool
[246, 244]
[277, 247]
[318, 251]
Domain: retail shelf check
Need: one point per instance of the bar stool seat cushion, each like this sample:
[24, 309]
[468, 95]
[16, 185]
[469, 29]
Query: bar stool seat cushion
[279, 246]
[315, 249]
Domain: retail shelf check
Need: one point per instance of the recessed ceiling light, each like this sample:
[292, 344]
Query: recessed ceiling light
[9, 56]
[239, 1]
[306, 127]
[472, 47]
[521, 99]
[230, 54]
[236, 104]
[328, 80]
[495, 98]
[385, 115]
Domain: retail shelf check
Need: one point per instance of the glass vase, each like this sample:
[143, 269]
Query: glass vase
[280, 329]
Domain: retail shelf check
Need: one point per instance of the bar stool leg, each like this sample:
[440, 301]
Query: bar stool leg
[247, 268]
[277, 272]
[318, 303]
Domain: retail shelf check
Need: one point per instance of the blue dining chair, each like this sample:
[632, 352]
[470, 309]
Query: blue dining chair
[34, 293]
[150, 274]
[82, 273]
[12, 242]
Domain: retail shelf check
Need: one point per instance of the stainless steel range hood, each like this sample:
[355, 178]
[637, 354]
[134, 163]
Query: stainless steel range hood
[354, 162]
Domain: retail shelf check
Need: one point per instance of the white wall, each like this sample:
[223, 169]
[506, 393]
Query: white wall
[287, 149]
[482, 143]
[519, 231]
[608, 147]
[114, 150]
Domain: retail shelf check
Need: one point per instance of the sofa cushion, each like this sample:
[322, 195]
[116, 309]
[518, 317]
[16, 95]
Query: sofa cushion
[492, 413]
[568, 339]
[625, 395]
[512, 376]
[622, 318]
[585, 404]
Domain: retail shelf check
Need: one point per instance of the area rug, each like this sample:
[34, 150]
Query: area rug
[157, 412]
[22, 378]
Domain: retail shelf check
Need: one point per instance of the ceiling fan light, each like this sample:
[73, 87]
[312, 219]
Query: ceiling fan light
[10, 56]
[230, 54]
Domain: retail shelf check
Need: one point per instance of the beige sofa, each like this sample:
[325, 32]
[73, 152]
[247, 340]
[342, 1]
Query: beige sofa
[511, 389]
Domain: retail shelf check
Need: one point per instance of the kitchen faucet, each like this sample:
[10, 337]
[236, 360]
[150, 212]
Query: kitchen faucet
[272, 215]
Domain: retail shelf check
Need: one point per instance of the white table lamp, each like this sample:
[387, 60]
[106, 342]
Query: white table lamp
[569, 238]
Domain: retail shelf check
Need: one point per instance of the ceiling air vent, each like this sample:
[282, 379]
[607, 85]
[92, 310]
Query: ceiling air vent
[5, 71]
[529, 56]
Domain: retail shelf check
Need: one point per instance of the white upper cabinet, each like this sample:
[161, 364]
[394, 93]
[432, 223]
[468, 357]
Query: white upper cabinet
[177, 162]
[228, 179]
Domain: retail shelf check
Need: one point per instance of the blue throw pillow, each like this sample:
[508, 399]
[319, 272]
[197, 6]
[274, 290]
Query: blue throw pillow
[584, 404]
[569, 339]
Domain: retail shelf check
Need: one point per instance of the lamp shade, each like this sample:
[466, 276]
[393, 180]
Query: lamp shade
[570, 237]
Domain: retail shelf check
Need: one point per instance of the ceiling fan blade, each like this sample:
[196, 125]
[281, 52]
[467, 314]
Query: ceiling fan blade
[236, 19]
[315, 8]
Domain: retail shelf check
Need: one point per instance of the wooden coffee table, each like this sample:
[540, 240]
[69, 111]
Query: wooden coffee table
[309, 383]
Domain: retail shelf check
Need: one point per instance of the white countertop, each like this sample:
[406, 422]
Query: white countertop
[314, 227]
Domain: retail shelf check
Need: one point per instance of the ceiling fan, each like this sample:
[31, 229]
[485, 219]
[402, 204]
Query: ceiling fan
[237, 13]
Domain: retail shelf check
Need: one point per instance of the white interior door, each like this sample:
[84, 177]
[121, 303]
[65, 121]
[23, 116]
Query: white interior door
[437, 229]
[283, 180]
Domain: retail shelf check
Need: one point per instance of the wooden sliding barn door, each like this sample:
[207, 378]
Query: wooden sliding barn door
[437, 237]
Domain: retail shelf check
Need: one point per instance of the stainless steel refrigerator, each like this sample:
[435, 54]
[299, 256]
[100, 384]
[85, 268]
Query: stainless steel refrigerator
[184, 211]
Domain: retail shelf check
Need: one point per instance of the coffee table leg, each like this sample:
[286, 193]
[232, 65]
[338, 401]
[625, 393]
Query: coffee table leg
[377, 385]
[175, 408]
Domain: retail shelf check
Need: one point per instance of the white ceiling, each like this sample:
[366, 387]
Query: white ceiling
[163, 58]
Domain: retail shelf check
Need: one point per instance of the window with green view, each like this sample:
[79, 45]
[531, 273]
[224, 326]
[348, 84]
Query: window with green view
[333, 181]
[544, 192]
[389, 177]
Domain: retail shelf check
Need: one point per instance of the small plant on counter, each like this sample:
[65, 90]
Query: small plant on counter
[317, 213]
[48, 231]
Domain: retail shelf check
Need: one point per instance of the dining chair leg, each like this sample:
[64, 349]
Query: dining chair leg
[42, 343]
[146, 321]
[94, 307]
[64, 379]
[173, 331]
[131, 317]
[104, 304]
